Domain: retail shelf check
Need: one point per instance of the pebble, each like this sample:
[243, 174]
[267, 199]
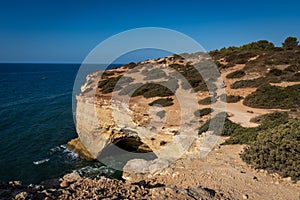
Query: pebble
[245, 196]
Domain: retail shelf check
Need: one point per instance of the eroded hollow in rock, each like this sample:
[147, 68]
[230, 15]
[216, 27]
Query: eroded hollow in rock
[121, 150]
[132, 144]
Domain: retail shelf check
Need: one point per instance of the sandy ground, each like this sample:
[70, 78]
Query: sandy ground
[224, 171]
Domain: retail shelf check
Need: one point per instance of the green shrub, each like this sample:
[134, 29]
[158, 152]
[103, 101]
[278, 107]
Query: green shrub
[275, 72]
[109, 85]
[130, 65]
[239, 134]
[241, 61]
[293, 78]
[253, 83]
[149, 90]
[230, 98]
[277, 150]
[164, 102]
[108, 73]
[192, 75]
[292, 68]
[267, 96]
[220, 127]
[239, 57]
[203, 112]
[129, 90]
[205, 101]
[242, 135]
[236, 74]
[271, 117]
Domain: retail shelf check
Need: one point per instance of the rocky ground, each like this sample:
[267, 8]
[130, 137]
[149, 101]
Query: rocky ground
[220, 175]
[72, 186]
[224, 171]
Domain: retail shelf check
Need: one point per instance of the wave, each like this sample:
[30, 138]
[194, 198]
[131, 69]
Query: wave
[41, 161]
[63, 150]
[33, 100]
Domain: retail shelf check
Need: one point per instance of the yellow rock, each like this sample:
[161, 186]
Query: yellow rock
[76, 146]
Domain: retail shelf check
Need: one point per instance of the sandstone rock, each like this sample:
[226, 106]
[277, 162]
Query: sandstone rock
[72, 177]
[64, 184]
[21, 196]
[287, 179]
[141, 166]
[77, 146]
[137, 166]
[158, 165]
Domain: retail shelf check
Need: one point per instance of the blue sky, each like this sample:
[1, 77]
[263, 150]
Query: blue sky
[66, 31]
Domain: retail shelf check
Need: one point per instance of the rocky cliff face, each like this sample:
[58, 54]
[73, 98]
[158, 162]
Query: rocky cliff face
[127, 105]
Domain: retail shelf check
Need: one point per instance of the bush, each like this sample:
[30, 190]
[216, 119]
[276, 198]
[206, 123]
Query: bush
[203, 112]
[220, 127]
[267, 96]
[292, 68]
[253, 83]
[192, 75]
[108, 73]
[277, 150]
[230, 98]
[162, 102]
[242, 135]
[129, 90]
[236, 74]
[130, 65]
[290, 43]
[152, 90]
[110, 84]
[241, 57]
[205, 101]
[276, 72]
[275, 116]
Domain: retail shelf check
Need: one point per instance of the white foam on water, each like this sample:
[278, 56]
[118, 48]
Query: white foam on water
[41, 161]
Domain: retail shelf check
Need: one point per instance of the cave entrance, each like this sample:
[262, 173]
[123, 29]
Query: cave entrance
[121, 150]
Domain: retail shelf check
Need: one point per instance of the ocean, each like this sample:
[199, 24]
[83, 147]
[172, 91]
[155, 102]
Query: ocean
[36, 122]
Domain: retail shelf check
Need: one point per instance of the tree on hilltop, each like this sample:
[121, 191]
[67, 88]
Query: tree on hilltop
[290, 43]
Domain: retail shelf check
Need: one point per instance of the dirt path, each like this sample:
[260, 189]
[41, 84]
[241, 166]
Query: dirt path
[285, 84]
[223, 171]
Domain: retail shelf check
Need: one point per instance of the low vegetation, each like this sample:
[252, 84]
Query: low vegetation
[110, 84]
[230, 98]
[268, 96]
[205, 101]
[203, 112]
[277, 150]
[130, 65]
[220, 124]
[236, 74]
[164, 102]
[239, 134]
[149, 90]
[253, 83]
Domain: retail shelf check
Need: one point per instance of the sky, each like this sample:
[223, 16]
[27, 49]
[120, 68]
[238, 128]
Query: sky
[65, 31]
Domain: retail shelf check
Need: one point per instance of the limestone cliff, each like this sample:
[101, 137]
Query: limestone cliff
[128, 105]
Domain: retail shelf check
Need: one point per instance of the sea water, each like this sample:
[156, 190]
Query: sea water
[36, 122]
